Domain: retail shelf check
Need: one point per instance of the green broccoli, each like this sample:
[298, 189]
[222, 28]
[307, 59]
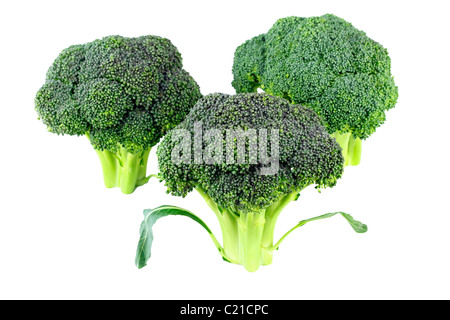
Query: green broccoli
[328, 65]
[124, 94]
[248, 191]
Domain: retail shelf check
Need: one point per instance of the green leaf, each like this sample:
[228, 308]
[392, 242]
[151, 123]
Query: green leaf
[144, 249]
[358, 226]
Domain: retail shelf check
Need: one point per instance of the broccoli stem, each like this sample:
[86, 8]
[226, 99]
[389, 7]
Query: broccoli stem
[230, 235]
[228, 225]
[250, 231]
[248, 237]
[123, 169]
[272, 214]
[351, 147]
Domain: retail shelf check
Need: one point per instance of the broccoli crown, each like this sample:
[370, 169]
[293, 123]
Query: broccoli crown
[123, 92]
[307, 153]
[323, 63]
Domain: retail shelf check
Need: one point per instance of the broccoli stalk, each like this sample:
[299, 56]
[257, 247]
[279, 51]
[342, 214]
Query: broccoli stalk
[248, 237]
[123, 169]
[351, 147]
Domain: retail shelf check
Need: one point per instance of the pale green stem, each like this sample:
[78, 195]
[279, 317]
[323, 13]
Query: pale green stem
[272, 214]
[124, 169]
[248, 237]
[250, 231]
[351, 147]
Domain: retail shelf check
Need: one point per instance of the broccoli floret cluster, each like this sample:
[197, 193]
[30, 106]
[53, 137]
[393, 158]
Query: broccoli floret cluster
[326, 64]
[238, 192]
[124, 94]
[307, 154]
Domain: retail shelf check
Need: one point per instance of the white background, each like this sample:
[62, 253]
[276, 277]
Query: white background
[63, 235]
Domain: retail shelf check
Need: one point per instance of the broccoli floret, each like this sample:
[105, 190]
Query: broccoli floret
[124, 94]
[245, 195]
[328, 65]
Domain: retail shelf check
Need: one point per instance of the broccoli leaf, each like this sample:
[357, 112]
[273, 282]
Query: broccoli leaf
[144, 248]
[358, 226]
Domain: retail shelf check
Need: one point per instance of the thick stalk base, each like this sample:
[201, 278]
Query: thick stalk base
[248, 237]
[242, 239]
[351, 147]
[124, 170]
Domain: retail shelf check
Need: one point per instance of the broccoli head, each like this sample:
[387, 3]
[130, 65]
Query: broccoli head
[124, 94]
[230, 165]
[328, 65]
